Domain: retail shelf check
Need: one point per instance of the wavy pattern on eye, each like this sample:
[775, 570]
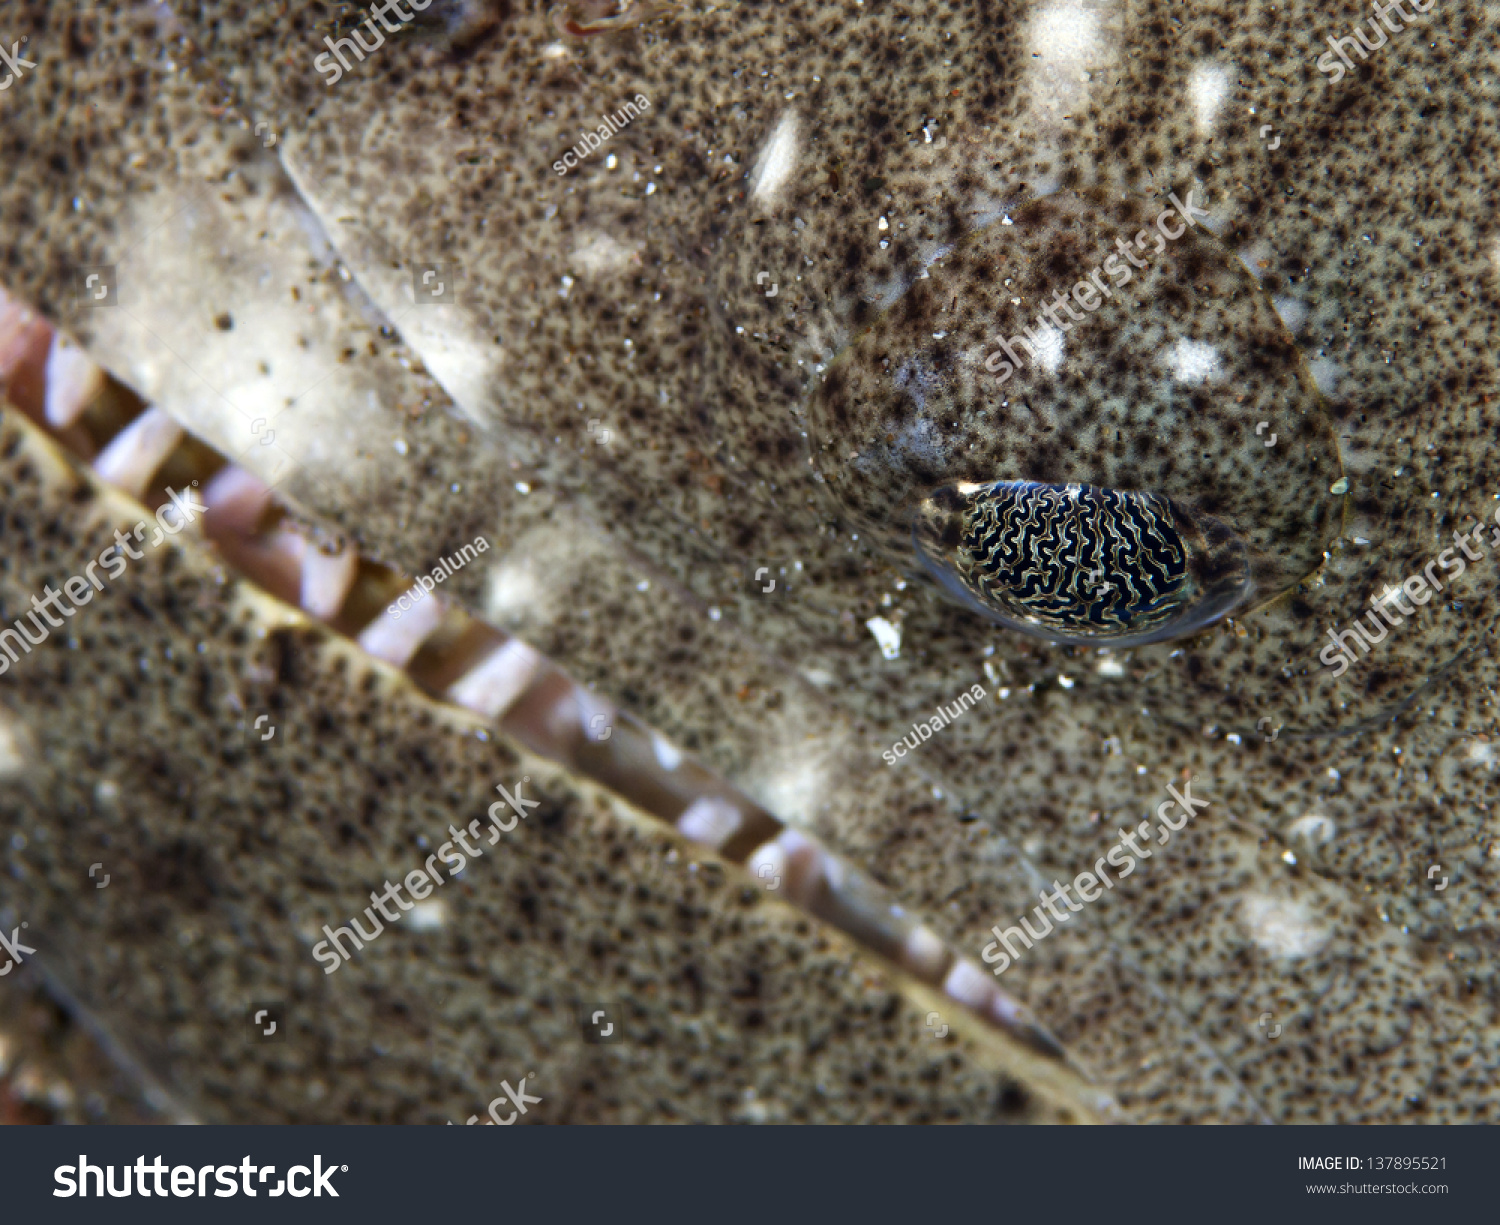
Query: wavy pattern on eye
[1077, 563]
[1073, 559]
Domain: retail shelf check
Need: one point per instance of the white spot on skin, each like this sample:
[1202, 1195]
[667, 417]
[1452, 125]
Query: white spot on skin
[1192, 362]
[668, 755]
[1257, 258]
[709, 820]
[921, 440]
[1283, 928]
[598, 253]
[790, 781]
[1312, 830]
[923, 952]
[513, 590]
[778, 157]
[887, 635]
[918, 378]
[1208, 86]
[968, 984]
[1326, 374]
[1072, 44]
[1050, 349]
[428, 916]
[1066, 36]
[1293, 313]
[768, 862]
[12, 745]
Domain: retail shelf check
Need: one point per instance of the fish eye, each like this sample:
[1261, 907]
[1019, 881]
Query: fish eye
[1085, 422]
[1079, 564]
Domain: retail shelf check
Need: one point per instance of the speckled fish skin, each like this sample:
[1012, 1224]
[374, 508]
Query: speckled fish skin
[963, 126]
[1370, 212]
[918, 408]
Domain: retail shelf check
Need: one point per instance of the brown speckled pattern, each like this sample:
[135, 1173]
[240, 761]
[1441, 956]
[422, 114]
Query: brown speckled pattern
[1373, 213]
[227, 855]
[914, 403]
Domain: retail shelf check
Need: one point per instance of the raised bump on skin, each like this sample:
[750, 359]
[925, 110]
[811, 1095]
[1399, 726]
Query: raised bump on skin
[137, 451]
[237, 500]
[969, 985]
[710, 821]
[924, 953]
[492, 686]
[396, 639]
[326, 579]
[74, 380]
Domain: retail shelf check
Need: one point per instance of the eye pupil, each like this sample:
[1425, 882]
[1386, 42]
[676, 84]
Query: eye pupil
[1073, 558]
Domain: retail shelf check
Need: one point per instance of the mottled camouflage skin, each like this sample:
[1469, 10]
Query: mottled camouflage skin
[586, 297]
